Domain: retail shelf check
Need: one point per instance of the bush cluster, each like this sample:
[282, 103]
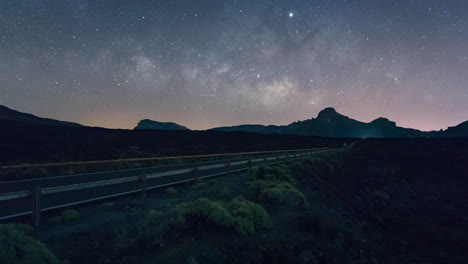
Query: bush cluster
[200, 185]
[242, 215]
[66, 216]
[277, 173]
[225, 193]
[154, 217]
[171, 191]
[274, 185]
[17, 246]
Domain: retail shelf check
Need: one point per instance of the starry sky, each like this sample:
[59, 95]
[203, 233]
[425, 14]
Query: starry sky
[209, 63]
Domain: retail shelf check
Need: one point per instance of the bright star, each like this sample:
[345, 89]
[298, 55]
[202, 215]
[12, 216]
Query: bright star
[291, 14]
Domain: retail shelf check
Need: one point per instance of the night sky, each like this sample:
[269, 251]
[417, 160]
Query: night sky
[204, 64]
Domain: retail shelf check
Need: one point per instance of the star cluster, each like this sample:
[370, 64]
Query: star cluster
[210, 63]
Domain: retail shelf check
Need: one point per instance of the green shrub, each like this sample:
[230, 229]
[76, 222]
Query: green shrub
[70, 215]
[171, 191]
[294, 197]
[17, 246]
[240, 214]
[277, 192]
[55, 220]
[225, 193]
[213, 181]
[130, 238]
[154, 217]
[276, 173]
[272, 195]
[66, 216]
[261, 217]
[200, 185]
[249, 216]
[259, 185]
[202, 211]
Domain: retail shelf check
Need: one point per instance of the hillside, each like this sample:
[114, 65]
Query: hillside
[13, 115]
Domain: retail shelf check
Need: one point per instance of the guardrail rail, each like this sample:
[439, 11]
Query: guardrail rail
[15, 204]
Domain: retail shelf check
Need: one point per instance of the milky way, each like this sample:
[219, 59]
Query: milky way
[215, 63]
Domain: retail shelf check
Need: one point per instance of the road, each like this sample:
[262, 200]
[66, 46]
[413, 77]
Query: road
[66, 191]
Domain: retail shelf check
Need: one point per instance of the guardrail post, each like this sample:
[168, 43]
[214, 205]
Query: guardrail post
[250, 164]
[71, 168]
[143, 181]
[36, 206]
[195, 173]
[228, 167]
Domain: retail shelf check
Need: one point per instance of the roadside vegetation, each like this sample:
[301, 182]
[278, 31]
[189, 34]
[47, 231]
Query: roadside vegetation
[276, 186]
[347, 207]
[67, 216]
[241, 215]
[18, 246]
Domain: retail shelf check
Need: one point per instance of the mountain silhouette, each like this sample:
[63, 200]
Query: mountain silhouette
[457, 131]
[13, 115]
[330, 123]
[150, 124]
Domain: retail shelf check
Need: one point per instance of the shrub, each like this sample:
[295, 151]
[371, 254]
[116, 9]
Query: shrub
[213, 181]
[225, 193]
[277, 192]
[17, 246]
[272, 195]
[70, 215]
[276, 173]
[133, 238]
[66, 216]
[249, 216]
[240, 214]
[202, 211]
[200, 185]
[295, 197]
[171, 191]
[154, 217]
[55, 220]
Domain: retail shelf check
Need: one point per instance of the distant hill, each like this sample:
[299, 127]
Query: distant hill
[330, 123]
[13, 115]
[457, 131]
[150, 124]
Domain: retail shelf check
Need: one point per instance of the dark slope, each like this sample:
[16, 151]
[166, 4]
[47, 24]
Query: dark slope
[13, 115]
[27, 143]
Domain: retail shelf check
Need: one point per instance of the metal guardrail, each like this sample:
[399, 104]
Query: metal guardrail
[24, 166]
[37, 192]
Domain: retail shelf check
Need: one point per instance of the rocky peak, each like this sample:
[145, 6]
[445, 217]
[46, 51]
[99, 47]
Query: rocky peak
[328, 112]
[381, 121]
